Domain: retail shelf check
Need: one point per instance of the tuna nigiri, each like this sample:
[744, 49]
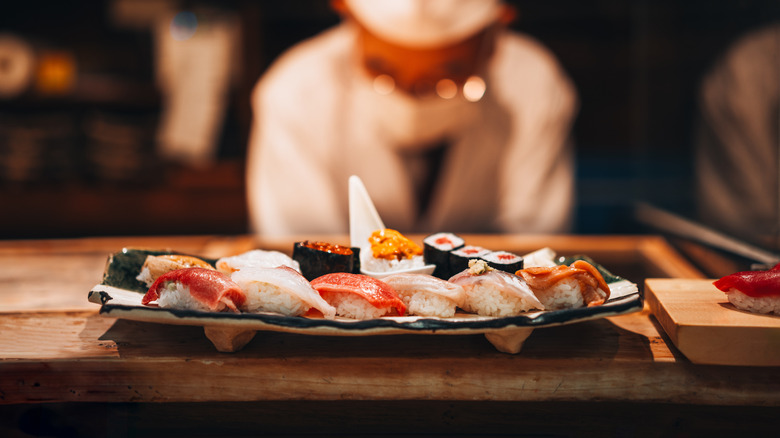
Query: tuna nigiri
[358, 296]
[491, 292]
[282, 290]
[753, 291]
[195, 289]
[567, 287]
[426, 295]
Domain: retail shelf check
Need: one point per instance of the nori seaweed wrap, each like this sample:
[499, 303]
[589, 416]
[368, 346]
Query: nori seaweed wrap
[436, 251]
[459, 258]
[320, 258]
[504, 261]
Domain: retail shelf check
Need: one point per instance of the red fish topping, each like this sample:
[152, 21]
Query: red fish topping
[378, 293]
[752, 283]
[210, 287]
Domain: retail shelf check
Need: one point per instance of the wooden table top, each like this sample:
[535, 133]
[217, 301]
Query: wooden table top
[55, 347]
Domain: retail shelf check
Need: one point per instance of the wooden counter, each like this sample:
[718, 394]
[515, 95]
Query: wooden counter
[55, 349]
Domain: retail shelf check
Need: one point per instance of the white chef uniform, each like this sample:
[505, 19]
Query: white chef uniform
[507, 167]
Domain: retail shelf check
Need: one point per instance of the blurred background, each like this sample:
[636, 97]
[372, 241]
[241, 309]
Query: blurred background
[122, 117]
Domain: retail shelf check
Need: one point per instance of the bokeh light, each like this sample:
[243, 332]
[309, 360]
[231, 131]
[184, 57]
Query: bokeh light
[184, 25]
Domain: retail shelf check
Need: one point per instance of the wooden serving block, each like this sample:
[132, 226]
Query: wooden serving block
[708, 329]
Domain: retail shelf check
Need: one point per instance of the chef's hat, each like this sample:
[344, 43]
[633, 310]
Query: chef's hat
[424, 23]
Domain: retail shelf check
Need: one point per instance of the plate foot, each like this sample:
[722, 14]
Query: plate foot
[228, 339]
[509, 340]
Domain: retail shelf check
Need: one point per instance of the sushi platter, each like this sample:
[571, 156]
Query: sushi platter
[708, 329]
[383, 283]
[120, 295]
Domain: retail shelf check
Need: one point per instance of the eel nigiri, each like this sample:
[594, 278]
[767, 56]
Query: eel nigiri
[567, 287]
[358, 296]
[282, 290]
[195, 289]
[492, 292]
[426, 295]
[753, 291]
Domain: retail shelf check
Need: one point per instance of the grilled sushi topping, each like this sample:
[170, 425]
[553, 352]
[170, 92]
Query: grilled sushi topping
[390, 244]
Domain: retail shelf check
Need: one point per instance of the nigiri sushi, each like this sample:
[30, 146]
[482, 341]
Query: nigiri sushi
[426, 295]
[282, 290]
[492, 292]
[753, 291]
[256, 258]
[358, 296]
[567, 287]
[195, 289]
[155, 266]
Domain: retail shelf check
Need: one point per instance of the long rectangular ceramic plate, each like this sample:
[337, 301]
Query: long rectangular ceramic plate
[119, 295]
[708, 329]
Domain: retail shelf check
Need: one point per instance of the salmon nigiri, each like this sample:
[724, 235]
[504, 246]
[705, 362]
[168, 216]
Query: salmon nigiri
[358, 296]
[195, 289]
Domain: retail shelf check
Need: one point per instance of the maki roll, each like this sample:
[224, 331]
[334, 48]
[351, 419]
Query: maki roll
[436, 251]
[195, 289]
[490, 292]
[753, 291]
[459, 258]
[319, 258]
[358, 296]
[503, 261]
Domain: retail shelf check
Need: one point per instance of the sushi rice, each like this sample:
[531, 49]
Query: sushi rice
[175, 295]
[353, 306]
[766, 304]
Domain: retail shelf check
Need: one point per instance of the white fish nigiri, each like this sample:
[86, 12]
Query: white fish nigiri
[256, 258]
[426, 295]
[490, 292]
[282, 290]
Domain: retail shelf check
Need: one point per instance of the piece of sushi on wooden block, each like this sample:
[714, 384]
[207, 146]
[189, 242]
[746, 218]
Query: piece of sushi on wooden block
[566, 287]
[256, 258]
[280, 290]
[436, 251]
[155, 266]
[491, 292]
[391, 251]
[503, 261]
[319, 258]
[359, 296]
[426, 295]
[459, 258]
[753, 291]
[195, 289]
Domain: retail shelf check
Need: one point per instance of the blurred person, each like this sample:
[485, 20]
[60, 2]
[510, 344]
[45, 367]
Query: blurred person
[453, 122]
[737, 153]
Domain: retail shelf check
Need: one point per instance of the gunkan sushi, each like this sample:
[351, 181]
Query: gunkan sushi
[358, 296]
[391, 251]
[319, 258]
[753, 291]
[195, 289]
[426, 295]
[491, 292]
